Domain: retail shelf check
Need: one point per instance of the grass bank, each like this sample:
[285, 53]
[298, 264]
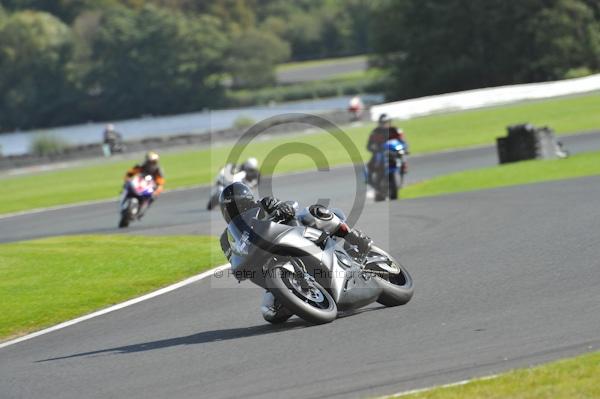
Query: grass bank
[426, 134]
[579, 165]
[370, 81]
[565, 379]
[44, 282]
[327, 62]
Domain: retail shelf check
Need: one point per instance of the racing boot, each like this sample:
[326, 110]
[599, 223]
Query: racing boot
[360, 241]
[272, 311]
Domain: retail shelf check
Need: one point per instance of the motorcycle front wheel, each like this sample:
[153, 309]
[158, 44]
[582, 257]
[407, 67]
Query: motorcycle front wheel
[125, 207]
[124, 221]
[212, 202]
[392, 276]
[128, 208]
[303, 296]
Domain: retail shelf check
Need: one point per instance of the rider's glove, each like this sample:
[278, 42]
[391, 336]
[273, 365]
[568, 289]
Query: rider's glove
[269, 204]
[279, 210]
[284, 212]
[360, 240]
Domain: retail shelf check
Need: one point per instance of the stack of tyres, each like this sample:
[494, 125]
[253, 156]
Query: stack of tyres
[525, 141]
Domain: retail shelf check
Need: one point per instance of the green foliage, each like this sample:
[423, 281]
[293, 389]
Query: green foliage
[156, 61]
[450, 45]
[253, 56]
[243, 121]
[577, 73]
[75, 61]
[47, 145]
[35, 49]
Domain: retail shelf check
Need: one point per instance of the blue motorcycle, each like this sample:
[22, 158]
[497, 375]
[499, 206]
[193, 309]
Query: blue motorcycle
[387, 173]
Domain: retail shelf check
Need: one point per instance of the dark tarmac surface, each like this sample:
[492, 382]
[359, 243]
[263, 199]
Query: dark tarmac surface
[504, 278]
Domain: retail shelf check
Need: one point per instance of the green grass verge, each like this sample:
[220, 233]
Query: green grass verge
[44, 282]
[426, 134]
[370, 81]
[299, 65]
[568, 379]
[579, 165]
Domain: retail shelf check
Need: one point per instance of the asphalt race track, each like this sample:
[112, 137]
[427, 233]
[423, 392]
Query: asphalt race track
[183, 212]
[504, 278]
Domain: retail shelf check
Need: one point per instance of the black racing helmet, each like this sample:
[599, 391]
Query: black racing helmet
[235, 199]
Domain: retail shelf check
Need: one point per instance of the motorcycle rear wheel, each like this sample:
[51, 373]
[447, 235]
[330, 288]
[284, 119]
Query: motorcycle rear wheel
[398, 286]
[313, 304]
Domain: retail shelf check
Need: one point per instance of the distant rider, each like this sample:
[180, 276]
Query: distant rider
[238, 198]
[382, 133]
[250, 167]
[150, 167]
[113, 139]
[356, 107]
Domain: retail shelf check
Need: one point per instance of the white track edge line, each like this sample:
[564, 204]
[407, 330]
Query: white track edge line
[450, 385]
[118, 306]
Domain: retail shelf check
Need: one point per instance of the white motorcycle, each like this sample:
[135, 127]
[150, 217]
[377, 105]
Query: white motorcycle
[227, 175]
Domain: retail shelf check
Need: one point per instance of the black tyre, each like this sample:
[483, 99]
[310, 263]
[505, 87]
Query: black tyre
[397, 283]
[212, 202]
[392, 187]
[313, 304]
[381, 187]
[124, 221]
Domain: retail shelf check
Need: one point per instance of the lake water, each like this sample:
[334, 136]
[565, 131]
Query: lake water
[197, 122]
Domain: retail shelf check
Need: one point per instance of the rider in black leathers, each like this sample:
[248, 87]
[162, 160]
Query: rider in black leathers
[238, 198]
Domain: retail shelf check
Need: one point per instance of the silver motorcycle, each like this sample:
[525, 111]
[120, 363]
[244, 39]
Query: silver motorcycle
[307, 270]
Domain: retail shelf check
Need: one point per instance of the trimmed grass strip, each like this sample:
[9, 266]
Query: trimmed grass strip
[579, 165]
[565, 379]
[48, 281]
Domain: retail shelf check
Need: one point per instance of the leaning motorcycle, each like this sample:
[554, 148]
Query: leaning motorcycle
[137, 191]
[388, 173]
[225, 177]
[308, 270]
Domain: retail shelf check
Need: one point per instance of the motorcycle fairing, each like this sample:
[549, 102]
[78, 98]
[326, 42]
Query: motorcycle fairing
[266, 243]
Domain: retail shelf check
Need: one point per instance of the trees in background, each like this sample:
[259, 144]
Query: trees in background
[68, 61]
[155, 61]
[35, 77]
[438, 46]
[253, 56]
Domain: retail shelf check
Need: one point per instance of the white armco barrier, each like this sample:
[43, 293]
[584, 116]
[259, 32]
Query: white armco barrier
[478, 98]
